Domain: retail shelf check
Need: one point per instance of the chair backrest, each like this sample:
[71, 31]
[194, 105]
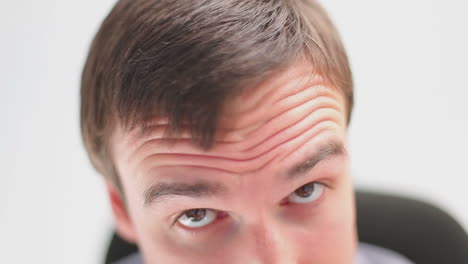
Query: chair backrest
[420, 231]
[423, 233]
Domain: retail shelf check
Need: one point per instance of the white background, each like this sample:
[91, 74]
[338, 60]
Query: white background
[408, 134]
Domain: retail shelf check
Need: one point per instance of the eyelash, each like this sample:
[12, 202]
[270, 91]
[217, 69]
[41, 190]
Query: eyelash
[220, 215]
[284, 201]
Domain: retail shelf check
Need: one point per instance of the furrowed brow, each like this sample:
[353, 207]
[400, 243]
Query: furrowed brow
[199, 189]
[328, 150]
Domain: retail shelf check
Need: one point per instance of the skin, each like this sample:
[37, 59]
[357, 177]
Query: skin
[263, 135]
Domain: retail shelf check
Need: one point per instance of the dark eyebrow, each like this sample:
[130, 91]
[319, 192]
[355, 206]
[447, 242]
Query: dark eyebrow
[325, 151]
[199, 189]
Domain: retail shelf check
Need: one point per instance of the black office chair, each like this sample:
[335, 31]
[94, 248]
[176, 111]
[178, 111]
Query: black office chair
[421, 232]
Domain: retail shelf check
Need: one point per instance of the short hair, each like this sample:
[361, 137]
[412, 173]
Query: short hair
[182, 60]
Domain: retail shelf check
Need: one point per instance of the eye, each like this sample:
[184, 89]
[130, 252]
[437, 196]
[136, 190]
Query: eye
[195, 218]
[307, 193]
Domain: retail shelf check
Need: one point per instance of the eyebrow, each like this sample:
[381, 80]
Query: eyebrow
[199, 189]
[158, 191]
[328, 150]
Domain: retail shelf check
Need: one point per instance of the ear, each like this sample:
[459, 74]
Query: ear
[123, 222]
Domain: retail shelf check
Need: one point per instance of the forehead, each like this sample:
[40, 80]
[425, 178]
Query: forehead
[286, 110]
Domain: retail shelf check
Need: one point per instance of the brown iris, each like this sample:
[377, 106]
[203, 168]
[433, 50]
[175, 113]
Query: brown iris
[305, 190]
[196, 214]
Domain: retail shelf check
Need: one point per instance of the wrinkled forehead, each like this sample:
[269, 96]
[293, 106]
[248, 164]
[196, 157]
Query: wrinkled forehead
[281, 92]
[289, 99]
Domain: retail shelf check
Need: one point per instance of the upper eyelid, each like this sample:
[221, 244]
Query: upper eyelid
[199, 229]
[177, 216]
[313, 202]
[314, 181]
[307, 180]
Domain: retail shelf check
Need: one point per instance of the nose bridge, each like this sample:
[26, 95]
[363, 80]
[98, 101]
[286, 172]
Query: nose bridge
[271, 242]
[267, 236]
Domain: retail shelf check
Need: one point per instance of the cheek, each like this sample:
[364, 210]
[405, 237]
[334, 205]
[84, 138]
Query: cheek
[161, 248]
[333, 244]
[156, 246]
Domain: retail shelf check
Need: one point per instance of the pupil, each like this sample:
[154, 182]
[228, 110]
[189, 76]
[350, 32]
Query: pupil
[196, 214]
[305, 190]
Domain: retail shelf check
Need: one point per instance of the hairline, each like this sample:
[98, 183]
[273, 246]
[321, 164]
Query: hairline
[102, 159]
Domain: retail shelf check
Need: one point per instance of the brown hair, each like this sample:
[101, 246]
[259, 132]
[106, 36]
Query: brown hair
[183, 59]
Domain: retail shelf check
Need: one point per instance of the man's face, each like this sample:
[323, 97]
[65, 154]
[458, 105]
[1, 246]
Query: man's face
[274, 188]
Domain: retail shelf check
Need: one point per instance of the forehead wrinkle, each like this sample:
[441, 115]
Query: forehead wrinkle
[294, 94]
[301, 123]
[308, 128]
[232, 165]
[280, 89]
[291, 114]
[257, 119]
[308, 93]
[232, 151]
[299, 139]
[229, 165]
[283, 121]
[325, 128]
[253, 120]
[240, 114]
[298, 73]
[220, 170]
[265, 142]
[135, 140]
[290, 86]
[157, 132]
